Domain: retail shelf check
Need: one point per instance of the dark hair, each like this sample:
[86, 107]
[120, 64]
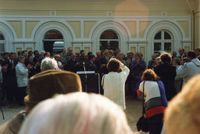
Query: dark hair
[89, 53]
[91, 57]
[113, 66]
[82, 51]
[140, 55]
[165, 58]
[149, 74]
[191, 55]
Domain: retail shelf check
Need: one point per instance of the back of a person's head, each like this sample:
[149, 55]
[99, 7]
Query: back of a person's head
[150, 75]
[182, 115]
[21, 58]
[76, 113]
[113, 65]
[48, 63]
[166, 58]
[191, 55]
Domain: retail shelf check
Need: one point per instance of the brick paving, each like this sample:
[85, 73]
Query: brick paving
[133, 112]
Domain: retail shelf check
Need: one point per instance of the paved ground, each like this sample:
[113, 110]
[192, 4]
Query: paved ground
[9, 112]
[133, 112]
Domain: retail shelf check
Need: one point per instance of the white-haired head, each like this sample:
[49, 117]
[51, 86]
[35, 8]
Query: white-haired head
[76, 113]
[48, 63]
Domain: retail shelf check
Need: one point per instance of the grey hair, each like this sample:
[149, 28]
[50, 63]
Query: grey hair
[76, 113]
[48, 63]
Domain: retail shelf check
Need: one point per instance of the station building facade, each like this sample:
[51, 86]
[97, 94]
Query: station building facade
[129, 25]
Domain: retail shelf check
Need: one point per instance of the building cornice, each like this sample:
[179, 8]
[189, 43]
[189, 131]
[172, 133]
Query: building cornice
[92, 18]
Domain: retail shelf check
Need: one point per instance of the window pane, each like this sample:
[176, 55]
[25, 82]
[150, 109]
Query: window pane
[109, 34]
[157, 46]
[53, 34]
[168, 47]
[1, 36]
[48, 46]
[167, 35]
[114, 45]
[109, 40]
[103, 45]
[58, 46]
[158, 36]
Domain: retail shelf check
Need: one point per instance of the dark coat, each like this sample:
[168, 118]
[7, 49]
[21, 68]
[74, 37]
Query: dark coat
[167, 74]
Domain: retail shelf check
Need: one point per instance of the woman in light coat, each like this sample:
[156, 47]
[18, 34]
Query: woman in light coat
[22, 79]
[114, 82]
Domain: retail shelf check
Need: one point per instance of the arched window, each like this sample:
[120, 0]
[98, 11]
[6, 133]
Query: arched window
[53, 41]
[163, 41]
[109, 40]
[2, 43]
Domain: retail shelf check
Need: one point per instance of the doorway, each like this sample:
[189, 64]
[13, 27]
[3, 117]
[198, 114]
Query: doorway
[50, 41]
[109, 40]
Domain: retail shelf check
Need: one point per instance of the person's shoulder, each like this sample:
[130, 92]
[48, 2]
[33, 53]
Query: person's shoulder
[172, 67]
[149, 82]
[13, 125]
[158, 66]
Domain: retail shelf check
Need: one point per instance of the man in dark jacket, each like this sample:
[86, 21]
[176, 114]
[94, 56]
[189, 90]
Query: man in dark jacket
[167, 74]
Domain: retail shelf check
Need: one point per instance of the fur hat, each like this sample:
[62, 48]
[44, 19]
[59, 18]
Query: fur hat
[48, 83]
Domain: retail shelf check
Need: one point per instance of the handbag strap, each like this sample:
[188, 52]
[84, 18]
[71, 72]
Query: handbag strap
[143, 101]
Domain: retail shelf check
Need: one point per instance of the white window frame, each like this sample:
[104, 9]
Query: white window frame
[109, 40]
[2, 42]
[163, 40]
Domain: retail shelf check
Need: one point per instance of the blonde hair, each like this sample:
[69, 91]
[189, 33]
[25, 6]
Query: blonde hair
[182, 115]
[76, 113]
[49, 63]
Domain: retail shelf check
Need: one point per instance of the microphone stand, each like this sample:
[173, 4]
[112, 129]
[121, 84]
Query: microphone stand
[85, 76]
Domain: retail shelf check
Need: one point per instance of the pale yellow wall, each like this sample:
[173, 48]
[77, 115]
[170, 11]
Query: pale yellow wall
[17, 26]
[143, 26]
[133, 48]
[29, 26]
[24, 12]
[131, 25]
[88, 25]
[196, 6]
[87, 49]
[152, 7]
[76, 26]
[80, 13]
[97, 7]
[197, 30]
[142, 50]
[185, 27]
[198, 25]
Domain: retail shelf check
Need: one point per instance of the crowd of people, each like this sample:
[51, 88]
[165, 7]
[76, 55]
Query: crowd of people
[29, 78]
[13, 65]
